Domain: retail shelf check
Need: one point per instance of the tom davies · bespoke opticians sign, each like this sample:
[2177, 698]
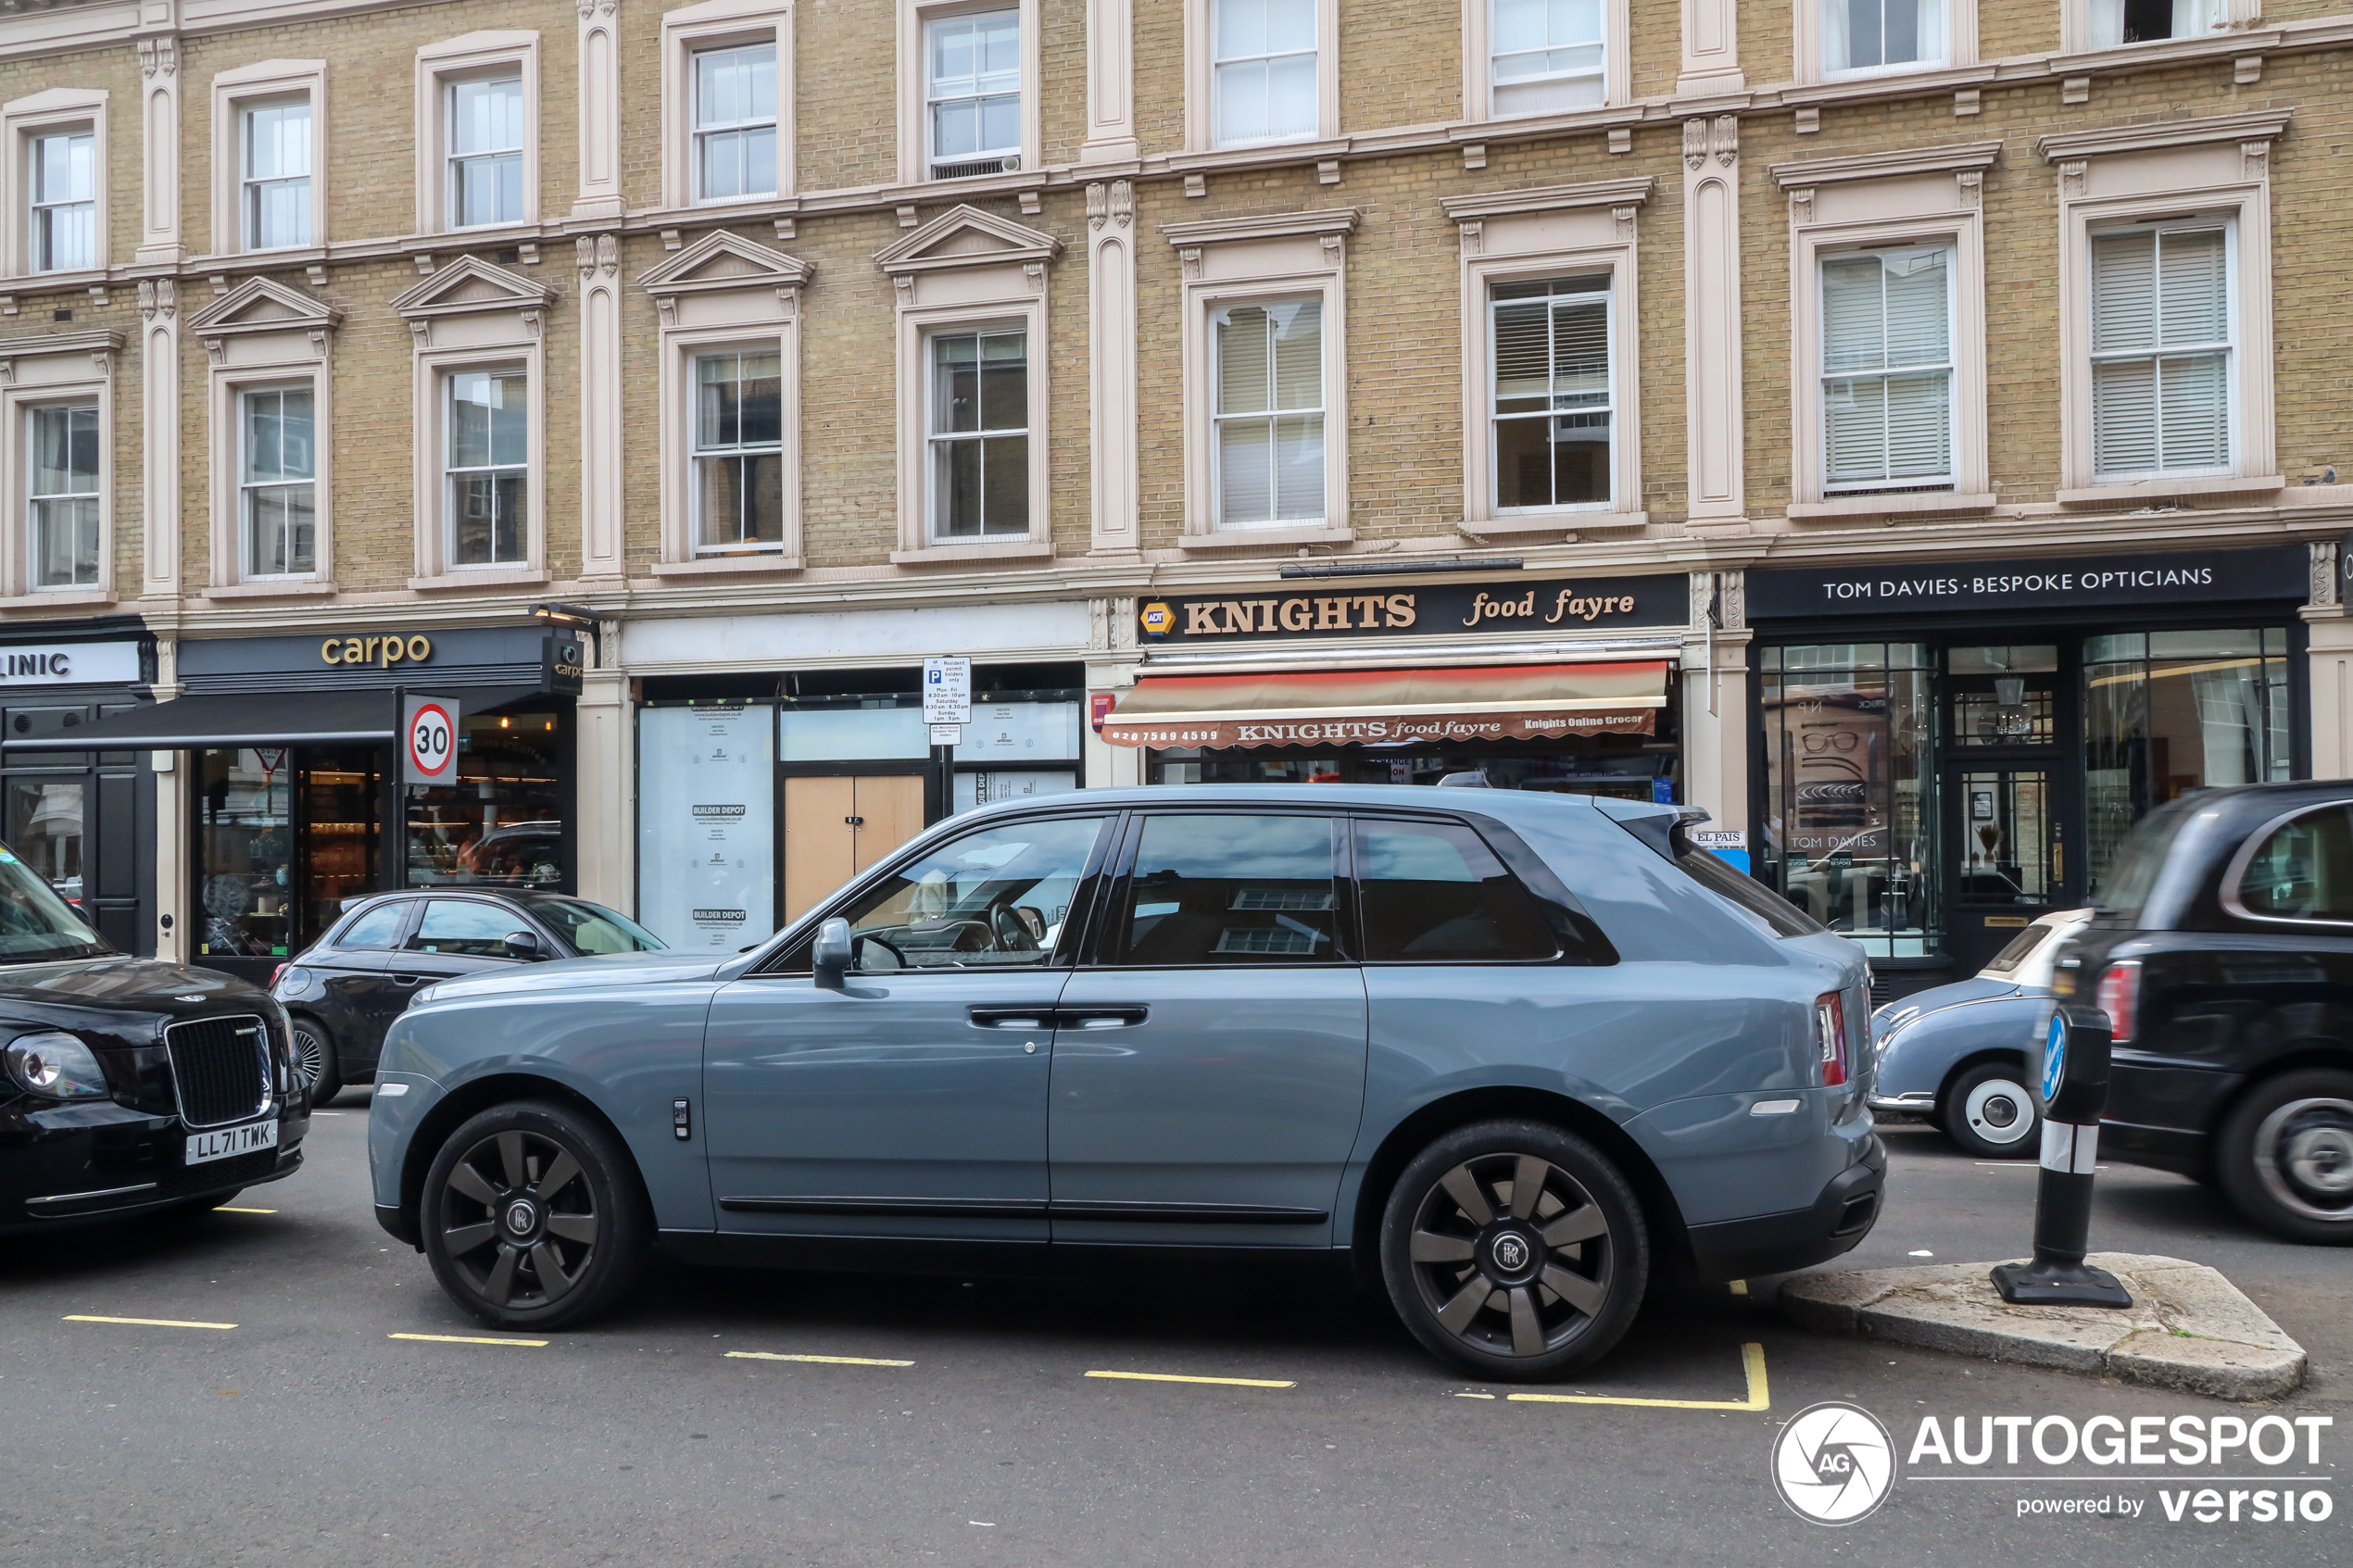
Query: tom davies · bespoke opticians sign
[2186, 577]
[1428, 609]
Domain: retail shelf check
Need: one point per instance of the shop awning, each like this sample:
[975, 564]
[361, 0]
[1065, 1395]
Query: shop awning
[282, 718]
[1390, 707]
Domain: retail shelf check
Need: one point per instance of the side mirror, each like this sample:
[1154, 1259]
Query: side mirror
[830, 959]
[522, 945]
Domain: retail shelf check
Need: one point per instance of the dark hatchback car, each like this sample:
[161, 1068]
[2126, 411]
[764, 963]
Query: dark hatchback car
[2221, 949]
[345, 990]
[128, 1085]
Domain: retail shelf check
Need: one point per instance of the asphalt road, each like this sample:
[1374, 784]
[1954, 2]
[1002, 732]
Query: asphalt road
[306, 1434]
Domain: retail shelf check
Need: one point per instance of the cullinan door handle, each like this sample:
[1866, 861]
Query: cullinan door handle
[1099, 1017]
[410, 978]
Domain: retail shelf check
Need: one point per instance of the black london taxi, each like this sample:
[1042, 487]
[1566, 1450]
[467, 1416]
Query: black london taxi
[2221, 948]
[128, 1085]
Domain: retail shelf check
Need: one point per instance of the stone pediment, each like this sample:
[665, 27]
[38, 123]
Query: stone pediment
[264, 304]
[469, 285]
[721, 262]
[965, 236]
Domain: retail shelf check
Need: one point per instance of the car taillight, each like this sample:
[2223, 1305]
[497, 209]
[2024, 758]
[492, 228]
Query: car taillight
[2119, 997]
[1830, 1034]
[274, 974]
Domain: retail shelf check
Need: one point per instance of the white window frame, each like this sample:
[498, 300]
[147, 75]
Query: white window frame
[1808, 42]
[59, 110]
[1271, 415]
[2214, 170]
[1877, 201]
[1479, 62]
[1519, 236]
[266, 333]
[447, 472]
[915, 89]
[750, 300]
[935, 440]
[1201, 77]
[70, 368]
[697, 453]
[248, 572]
[1823, 257]
[27, 419]
[718, 24]
[1242, 261]
[475, 57]
[235, 91]
[472, 315]
[969, 270]
[2230, 347]
[2076, 34]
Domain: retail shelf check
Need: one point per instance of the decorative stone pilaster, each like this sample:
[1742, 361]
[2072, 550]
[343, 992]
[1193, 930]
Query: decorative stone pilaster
[1712, 316]
[599, 111]
[1111, 328]
[159, 408]
[159, 150]
[1111, 84]
[1711, 49]
[598, 258]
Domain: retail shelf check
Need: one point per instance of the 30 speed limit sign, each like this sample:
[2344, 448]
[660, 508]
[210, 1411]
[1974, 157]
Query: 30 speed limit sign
[428, 740]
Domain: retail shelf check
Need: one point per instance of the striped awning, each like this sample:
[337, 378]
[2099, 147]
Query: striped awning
[1390, 707]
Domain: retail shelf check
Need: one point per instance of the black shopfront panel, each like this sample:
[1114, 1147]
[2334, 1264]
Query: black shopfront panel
[82, 818]
[1946, 751]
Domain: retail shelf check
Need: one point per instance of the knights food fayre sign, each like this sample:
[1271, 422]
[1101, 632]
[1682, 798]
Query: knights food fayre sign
[1550, 605]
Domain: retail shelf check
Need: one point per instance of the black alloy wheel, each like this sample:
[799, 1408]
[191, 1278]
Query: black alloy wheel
[1516, 1249]
[534, 1217]
[317, 1067]
[2285, 1155]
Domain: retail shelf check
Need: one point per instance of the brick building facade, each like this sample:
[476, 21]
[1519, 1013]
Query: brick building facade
[973, 283]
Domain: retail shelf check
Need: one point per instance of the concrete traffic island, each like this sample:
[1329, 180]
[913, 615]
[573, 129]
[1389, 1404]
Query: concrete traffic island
[2188, 1326]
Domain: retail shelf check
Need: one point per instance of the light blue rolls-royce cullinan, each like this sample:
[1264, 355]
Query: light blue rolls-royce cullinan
[1509, 1051]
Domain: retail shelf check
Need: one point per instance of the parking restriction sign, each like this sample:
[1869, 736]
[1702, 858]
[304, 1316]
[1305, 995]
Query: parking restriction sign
[428, 739]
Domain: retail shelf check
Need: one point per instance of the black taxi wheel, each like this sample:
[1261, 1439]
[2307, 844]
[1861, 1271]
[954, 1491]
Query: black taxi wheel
[2284, 1156]
[532, 1217]
[1515, 1250]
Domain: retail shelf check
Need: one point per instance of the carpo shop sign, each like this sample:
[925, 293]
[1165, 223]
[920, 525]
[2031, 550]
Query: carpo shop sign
[1552, 604]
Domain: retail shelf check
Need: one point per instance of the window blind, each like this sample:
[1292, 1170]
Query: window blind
[1887, 371]
[1270, 414]
[2160, 351]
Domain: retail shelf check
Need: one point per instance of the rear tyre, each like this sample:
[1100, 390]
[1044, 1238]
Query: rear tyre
[1991, 1112]
[317, 1063]
[1515, 1250]
[534, 1217]
[2285, 1155]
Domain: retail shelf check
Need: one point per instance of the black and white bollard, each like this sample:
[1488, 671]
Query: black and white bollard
[2074, 1091]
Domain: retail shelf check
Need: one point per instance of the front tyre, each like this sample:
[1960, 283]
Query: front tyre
[1515, 1250]
[316, 1061]
[1990, 1112]
[534, 1217]
[2284, 1156]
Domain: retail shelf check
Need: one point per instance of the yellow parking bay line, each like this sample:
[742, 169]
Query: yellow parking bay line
[827, 1360]
[1180, 1377]
[469, 1339]
[1759, 1396]
[146, 1323]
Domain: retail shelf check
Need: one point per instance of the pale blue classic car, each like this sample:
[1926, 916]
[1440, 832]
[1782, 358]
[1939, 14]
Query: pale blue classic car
[1964, 1054]
[1507, 1051]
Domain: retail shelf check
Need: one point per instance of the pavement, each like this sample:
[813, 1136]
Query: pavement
[958, 1422]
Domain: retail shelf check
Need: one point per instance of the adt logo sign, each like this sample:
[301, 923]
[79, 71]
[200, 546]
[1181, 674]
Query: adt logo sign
[1833, 1464]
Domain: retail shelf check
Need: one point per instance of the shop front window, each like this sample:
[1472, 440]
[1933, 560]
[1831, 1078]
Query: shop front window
[502, 822]
[2169, 712]
[341, 803]
[44, 829]
[246, 843]
[1849, 828]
